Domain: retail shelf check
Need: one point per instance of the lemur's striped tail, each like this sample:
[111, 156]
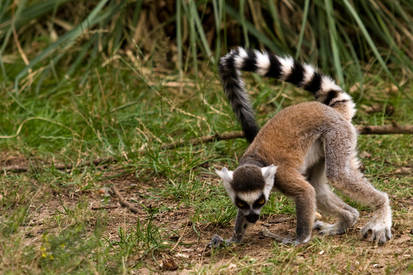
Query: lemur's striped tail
[285, 68]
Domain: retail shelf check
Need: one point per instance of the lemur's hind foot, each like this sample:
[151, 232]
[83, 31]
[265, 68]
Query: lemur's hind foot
[379, 226]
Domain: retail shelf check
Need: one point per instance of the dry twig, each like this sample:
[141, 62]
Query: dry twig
[104, 207]
[122, 201]
[63, 167]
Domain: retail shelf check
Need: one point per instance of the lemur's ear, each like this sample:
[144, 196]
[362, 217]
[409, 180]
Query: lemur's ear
[224, 174]
[268, 173]
[226, 177]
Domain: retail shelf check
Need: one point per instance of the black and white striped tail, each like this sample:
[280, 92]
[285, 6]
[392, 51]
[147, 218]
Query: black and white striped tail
[284, 68]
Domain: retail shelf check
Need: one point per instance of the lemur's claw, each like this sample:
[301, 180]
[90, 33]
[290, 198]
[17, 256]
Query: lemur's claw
[218, 241]
[378, 236]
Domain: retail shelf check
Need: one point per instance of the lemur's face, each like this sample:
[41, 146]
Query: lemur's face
[249, 188]
[250, 204]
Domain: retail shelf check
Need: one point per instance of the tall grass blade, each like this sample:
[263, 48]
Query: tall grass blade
[334, 40]
[29, 13]
[13, 20]
[201, 32]
[192, 36]
[373, 46]
[252, 30]
[179, 35]
[303, 25]
[218, 16]
[65, 41]
[367, 36]
[353, 56]
[12, 23]
[243, 23]
[276, 19]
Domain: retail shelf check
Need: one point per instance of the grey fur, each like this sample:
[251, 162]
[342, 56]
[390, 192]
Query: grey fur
[329, 203]
[312, 144]
[286, 141]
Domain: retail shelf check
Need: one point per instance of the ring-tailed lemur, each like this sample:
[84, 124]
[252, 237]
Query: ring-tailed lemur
[299, 151]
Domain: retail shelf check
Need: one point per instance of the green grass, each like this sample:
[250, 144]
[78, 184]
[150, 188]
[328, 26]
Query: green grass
[47, 224]
[119, 79]
[338, 35]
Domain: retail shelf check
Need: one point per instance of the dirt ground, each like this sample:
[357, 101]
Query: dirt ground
[260, 248]
[190, 251]
[188, 242]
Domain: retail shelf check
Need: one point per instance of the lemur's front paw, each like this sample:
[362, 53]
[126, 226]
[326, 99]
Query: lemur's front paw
[218, 241]
[380, 232]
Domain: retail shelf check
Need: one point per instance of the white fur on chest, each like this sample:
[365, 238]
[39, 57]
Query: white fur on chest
[314, 154]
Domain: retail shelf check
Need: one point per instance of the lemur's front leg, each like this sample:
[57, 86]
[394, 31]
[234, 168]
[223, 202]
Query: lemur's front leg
[293, 184]
[241, 225]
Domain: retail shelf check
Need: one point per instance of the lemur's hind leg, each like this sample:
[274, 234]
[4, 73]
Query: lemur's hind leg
[329, 203]
[343, 173]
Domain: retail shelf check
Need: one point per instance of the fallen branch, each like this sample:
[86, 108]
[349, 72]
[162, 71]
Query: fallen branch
[96, 162]
[363, 130]
[385, 129]
[122, 201]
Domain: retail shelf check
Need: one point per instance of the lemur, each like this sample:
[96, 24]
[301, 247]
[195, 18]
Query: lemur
[298, 152]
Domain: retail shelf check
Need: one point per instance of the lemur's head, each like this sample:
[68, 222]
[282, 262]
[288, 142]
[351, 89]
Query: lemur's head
[249, 187]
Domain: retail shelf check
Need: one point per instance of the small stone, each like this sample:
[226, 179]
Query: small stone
[182, 255]
[232, 266]
[365, 155]
[300, 259]
[104, 191]
[169, 264]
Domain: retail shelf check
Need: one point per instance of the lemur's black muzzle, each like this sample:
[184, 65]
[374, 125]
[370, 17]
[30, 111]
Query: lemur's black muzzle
[252, 218]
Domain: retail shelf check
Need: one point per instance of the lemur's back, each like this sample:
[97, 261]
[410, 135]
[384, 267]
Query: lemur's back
[287, 138]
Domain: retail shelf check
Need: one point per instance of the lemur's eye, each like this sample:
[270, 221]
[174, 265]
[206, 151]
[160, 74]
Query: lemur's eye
[241, 204]
[259, 202]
